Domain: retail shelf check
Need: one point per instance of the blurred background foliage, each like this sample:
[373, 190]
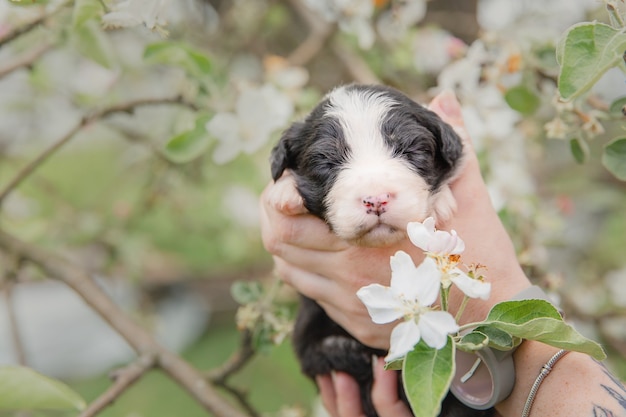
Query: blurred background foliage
[156, 120]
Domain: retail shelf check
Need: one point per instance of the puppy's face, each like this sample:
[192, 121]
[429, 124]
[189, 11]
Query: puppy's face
[368, 160]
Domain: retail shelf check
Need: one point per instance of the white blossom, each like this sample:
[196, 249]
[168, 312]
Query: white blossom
[129, 13]
[412, 292]
[426, 237]
[259, 112]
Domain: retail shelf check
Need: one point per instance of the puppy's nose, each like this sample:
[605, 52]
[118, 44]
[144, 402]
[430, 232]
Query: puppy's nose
[376, 204]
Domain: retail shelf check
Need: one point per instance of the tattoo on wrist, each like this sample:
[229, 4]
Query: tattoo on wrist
[616, 390]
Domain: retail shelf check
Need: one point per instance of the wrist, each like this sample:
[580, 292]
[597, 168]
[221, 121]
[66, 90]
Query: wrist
[488, 376]
[528, 360]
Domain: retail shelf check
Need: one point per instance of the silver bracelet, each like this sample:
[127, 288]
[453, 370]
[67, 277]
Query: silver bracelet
[545, 370]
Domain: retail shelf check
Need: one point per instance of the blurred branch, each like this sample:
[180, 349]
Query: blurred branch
[26, 60]
[238, 360]
[27, 27]
[8, 280]
[127, 107]
[123, 378]
[320, 33]
[137, 337]
[355, 65]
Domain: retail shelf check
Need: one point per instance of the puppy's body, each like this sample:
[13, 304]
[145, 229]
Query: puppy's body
[367, 160]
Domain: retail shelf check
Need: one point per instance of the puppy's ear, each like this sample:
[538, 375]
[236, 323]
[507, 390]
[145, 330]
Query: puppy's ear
[451, 146]
[283, 155]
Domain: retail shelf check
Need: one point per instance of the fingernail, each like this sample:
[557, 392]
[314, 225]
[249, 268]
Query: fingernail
[333, 376]
[449, 104]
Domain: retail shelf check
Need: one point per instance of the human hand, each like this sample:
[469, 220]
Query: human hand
[322, 267]
[340, 394]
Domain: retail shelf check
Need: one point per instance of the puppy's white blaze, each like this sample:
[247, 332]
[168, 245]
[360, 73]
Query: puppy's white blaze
[361, 114]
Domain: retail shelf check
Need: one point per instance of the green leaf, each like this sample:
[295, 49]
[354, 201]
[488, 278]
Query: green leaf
[190, 144]
[473, 341]
[539, 320]
[617, 107]
[579, 149]
[585, 52]
[522, 99]
[245, 292]
[28, 2]
[614, 158]
[85, 10]
[394, 365]
[427, 374]
[22, 388]
[90, 40]
[196, 63]
[498, 339]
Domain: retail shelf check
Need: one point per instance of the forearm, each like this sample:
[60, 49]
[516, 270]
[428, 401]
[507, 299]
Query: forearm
[577, 386]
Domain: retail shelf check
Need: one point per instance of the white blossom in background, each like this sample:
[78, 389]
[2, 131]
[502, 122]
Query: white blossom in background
[434, 48]
[241, 204]
[127, 13]
[412, 292]
[282, 74]
[616, 281]
[259, 112]
[401, 16]
[532, 19]
[352, 16]
[479, 78]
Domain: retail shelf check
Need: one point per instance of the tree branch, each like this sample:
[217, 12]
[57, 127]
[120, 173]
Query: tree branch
[123, 378]
[320, 32]
[27, 27]
[238, 360]
[127, 107]
[137, 337]
[8, 279]
[26, 60]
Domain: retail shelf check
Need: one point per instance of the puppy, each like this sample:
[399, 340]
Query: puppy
[367, 160]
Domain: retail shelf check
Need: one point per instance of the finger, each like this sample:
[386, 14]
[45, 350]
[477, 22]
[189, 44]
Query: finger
[327, 394]
[305, 282]
[385, 392]
[359, 324]
[348, 396]
[281, 231]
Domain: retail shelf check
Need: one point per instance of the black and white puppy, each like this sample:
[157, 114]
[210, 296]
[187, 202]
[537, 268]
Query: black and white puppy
[367, 160]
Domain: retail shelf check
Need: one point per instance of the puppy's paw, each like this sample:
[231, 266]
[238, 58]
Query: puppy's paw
[443, 205]
[284, 196]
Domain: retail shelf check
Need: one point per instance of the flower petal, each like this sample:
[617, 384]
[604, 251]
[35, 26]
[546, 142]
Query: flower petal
[420, 234]
[403, 338]
[435, 327]
[471, 287]
[383, 303]
[404, 275]
[424, 236]
[428, 282]
[459, 246]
